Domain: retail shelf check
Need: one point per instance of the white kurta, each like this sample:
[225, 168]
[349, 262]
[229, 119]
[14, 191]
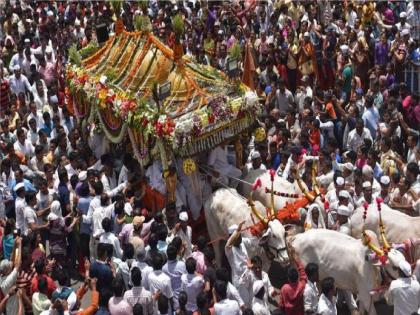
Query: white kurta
[404, 293]
[326, 307]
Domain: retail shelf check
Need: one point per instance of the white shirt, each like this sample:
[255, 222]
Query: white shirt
[237, 257]
[354, 140]
[371, 119]
[404, 293]
[158, 280]
[110, 238]
[175, 269]
[20, 85]
[310, 297]
[40, 100]
[218, 160]
[20, 205]
[248, 278]
[326, 307]
[154, 174]
[192, 285]
[98, 215]
[145, 271]
[186, 237]
[345, 228]
[227, 307]
[233, 294]
[26, 148]
[283, 100]
[123, 177]
[260, 307]
[29, 216]
[94, 204]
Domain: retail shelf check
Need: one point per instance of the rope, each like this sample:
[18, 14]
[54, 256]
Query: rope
[225, 236]
[223, 185]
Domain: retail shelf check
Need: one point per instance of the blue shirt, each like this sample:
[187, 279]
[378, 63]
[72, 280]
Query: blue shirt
[63, 196]
[275, 161]
[83, 206]
[47, 129]
[102, 272]
[8, 242]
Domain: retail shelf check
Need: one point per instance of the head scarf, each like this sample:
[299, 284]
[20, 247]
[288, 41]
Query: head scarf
[309, 223]
[55, 211]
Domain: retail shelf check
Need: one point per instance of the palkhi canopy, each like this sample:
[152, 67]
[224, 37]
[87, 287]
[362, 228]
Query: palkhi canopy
[114, 88]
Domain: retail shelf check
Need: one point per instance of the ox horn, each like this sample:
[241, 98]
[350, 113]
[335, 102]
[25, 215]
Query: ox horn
[272, 212]
[302, 188]
[366, 241]
[382, 228]
[255, 211]
[314, 181]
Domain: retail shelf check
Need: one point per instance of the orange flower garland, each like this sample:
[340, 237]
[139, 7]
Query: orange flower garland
[135, 68]
[94, 59]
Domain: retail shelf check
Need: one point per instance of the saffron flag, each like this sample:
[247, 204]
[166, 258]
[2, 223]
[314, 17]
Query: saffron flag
[249, 67]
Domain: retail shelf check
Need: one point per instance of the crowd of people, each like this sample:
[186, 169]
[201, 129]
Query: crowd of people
[338, 82]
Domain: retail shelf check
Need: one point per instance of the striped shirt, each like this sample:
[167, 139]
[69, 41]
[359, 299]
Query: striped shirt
[142, 296]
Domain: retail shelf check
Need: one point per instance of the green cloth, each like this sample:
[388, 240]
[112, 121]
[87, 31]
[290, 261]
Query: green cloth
[347, 76]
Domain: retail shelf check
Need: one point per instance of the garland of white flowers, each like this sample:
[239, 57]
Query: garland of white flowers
[114, 139]
[135, 149]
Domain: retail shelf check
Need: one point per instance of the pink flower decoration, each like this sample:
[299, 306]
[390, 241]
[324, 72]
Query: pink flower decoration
[257, 184]
[272, 174]
[379, 200]
[383, 259]
[365, 205]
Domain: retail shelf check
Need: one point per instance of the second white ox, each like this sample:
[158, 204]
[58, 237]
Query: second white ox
[344, 258]
[399, 227]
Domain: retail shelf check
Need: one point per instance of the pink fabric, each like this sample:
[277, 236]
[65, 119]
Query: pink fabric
[406, 101]
[119, 306]
[200, 262]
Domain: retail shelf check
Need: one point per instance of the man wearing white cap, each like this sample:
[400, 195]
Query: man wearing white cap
[367, 192]
[255, 273]
[259, 306]
[345, 199]
[256, 163]
[404, 292]
[343, 217]
[384, 194]
[368, 175]
[332, 194]
[237, 256]
[18, 82]
[402, 24]
[221, 168]
[184, 232]
[79, 31]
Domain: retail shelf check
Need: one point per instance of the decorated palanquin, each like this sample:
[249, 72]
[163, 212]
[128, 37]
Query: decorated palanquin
[113, 88]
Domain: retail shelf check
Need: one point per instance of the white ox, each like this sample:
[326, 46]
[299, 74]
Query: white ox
[280, 185]
[343, 258]
[399, 227]
[226, 207]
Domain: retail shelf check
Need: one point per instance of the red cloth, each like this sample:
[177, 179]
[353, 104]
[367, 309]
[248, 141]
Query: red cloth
[315, 138]
[291, 295]
[51, 285]
[4, 95]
